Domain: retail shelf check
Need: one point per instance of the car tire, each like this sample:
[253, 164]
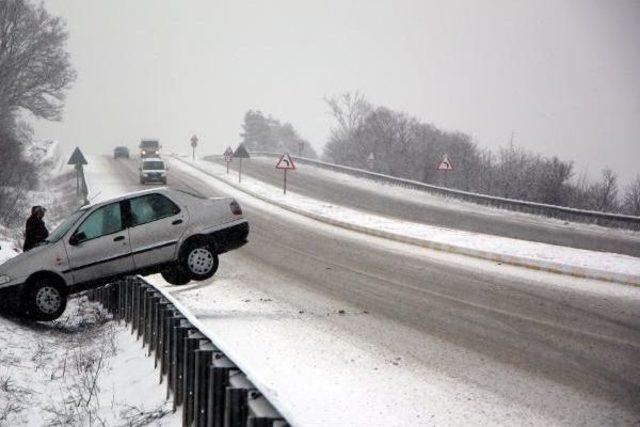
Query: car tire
[44, 300]
[175, 277]
[198, 260]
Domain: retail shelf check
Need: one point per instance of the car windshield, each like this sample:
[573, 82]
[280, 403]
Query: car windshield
[153, 165]
[150, 144]
[62, 229]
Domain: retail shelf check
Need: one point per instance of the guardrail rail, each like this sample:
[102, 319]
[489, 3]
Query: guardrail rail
[201, 379]
[553, 211]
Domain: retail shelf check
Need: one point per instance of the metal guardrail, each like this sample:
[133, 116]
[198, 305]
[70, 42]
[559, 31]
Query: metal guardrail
[200, 378]
[553, 211]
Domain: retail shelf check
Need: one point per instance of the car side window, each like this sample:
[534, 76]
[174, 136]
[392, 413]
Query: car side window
[103, 221]
[151, 207]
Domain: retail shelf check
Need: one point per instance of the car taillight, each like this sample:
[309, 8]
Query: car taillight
[235, 208]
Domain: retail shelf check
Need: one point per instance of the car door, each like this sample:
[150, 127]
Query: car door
[100, 246]
[156, 225]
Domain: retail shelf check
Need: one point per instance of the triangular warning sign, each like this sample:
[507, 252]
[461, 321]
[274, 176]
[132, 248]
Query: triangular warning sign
[77, 158]
[445, 164]
[228, 155]
[285, 162]
[241, 152]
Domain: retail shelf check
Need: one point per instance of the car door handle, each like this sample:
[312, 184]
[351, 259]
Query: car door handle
[176, 222]
[118, 238]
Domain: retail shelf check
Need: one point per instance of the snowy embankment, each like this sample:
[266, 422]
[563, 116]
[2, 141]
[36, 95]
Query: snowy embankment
[84, 368]
[540, 256]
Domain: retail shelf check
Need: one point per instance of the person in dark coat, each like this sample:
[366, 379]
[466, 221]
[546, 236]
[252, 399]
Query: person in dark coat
[35, 231]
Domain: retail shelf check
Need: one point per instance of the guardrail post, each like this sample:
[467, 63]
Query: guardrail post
[162, 312]
[191, 344]
[153, 323]
[171, 322]
[177, 366]
[236, 407]
[203, 359]
[219, 374]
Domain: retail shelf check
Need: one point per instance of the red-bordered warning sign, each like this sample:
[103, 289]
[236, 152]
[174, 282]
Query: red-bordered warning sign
[285, 162]
[228, 155]
[445, 163]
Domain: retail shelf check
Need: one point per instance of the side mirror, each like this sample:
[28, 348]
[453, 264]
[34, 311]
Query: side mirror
[76, 239]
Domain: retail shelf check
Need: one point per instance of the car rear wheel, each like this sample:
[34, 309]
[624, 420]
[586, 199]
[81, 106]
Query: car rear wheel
[44, 300]
[175, 277]
[199, 260]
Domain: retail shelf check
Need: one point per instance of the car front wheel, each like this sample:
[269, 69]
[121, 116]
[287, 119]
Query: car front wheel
[44, 301]
[199, 261]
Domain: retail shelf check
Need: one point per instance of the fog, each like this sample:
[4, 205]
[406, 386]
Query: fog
[562, 76]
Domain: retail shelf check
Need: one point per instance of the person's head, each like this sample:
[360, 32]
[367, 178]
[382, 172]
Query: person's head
[38, 211]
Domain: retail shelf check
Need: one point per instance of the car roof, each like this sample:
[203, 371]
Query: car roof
[125, 196]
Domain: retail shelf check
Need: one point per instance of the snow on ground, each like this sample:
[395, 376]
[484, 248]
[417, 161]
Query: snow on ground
[403, 193]
[82, 369]
[614, 263]
[325, 362]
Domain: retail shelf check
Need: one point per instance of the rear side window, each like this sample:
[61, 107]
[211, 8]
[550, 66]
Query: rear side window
[102, 222]
[151, 207]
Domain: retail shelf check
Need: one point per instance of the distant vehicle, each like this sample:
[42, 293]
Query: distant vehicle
[149, 148]
[153, 170]
[121, 152]
[166, 231]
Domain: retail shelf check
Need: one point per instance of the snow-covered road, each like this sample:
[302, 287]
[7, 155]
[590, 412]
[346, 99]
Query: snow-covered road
[347, 329]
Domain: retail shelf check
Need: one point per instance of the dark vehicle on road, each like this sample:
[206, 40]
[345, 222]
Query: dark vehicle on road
[121, 152]
[149, 148]
[175, 233]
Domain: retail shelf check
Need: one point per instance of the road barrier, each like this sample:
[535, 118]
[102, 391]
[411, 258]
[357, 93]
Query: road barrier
[209, 388]
[560, 212]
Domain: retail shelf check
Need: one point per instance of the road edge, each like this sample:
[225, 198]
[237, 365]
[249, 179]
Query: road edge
[539, 265]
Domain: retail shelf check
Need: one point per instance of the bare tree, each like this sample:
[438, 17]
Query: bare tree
[632, 198]
[35, 70]
[604, 194]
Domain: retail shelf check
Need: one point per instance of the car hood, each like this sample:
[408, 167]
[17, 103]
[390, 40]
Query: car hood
[22, 264]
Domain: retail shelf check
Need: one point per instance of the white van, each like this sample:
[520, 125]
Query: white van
[153, 169]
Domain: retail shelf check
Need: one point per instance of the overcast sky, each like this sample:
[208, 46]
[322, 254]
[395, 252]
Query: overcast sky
[563, 75]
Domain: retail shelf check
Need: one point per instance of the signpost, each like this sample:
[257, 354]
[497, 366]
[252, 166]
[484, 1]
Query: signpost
[300, 148]
[285, 163]
[371, 161]
[241, 153]
[446, 166]
[194, 144]
[228, 157]
[77, 160]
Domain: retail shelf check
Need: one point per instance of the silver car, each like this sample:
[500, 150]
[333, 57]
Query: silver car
[173, 232]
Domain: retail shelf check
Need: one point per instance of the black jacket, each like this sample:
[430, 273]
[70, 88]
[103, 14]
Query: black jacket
[35, 232]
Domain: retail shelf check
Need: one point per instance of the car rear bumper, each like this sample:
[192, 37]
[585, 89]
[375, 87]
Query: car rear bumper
[231, 237]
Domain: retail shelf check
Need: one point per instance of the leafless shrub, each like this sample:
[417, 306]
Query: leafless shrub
[136, 417]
